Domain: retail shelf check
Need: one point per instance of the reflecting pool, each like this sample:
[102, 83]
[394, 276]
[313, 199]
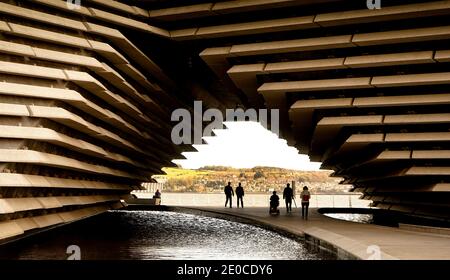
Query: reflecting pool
[143, 235]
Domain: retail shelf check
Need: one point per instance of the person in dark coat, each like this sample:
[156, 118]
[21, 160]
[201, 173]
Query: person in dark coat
[228, 193]
[157, 194]
[274, 202]
[288, 195]
[240, 195]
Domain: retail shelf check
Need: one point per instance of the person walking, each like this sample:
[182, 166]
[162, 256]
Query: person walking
[240, 195]
[288, 194]
[305, 195]
[228, 193]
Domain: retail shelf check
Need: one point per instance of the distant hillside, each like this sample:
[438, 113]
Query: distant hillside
[212, 179]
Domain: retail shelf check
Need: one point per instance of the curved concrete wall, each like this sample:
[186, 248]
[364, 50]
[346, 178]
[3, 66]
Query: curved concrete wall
[363, 91]
[82, 112]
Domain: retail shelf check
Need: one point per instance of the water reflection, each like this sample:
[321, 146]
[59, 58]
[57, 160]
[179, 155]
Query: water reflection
[358, 218]
[160, 235]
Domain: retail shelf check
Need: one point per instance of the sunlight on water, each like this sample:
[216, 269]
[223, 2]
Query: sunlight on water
[359, 218]
[160, 235]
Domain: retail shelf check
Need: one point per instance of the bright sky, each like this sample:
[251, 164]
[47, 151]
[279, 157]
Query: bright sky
[246, 145]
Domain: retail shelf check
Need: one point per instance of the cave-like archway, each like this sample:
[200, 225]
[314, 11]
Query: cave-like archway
[87, 94]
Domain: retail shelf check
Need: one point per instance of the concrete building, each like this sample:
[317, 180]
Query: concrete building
[87, 94]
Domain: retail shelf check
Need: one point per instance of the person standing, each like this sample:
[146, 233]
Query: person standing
[228, 193]
[157, 194]
[240, 195]
[288, 194]
[305, 195]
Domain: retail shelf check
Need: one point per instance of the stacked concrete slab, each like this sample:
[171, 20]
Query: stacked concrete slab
[363, 91]
[84, 114]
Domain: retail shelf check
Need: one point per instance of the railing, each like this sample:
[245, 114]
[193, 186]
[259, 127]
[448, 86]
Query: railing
[258, 200]
[151, 187]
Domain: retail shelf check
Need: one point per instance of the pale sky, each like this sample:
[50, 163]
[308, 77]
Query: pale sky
[246, 145]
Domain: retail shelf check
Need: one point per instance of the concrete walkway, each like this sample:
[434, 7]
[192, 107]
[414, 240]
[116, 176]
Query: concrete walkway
[353, 238]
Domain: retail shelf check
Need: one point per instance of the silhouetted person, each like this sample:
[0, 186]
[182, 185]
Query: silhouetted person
[157, 194]
[305, 195]
[288, 194]
[240, 195]
[228, 193]
[274, 202]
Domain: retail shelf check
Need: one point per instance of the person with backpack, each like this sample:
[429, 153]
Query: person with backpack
[305, 195]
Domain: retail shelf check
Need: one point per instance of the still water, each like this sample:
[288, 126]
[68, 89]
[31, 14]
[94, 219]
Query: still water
[357, 218]
[160, 235]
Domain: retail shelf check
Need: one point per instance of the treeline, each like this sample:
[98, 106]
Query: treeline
[257, 179]
[254, 169]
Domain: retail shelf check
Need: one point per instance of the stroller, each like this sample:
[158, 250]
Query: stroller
[274, 203]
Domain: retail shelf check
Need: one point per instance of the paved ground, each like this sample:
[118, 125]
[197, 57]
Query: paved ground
[354, 238]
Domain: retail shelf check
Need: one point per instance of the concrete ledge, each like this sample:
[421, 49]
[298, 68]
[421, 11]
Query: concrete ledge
[143, 201]
[344, 244]
[387, 13]
[57, 161]
[15, 180]
[436, 230]
[17, 229]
